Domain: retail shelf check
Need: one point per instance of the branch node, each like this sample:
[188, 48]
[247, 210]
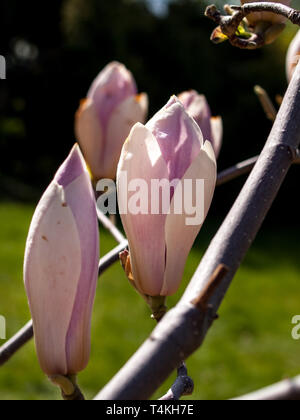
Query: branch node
[251, 38]
[202, 301]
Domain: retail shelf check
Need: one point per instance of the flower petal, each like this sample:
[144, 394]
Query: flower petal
[217, 134]
[113, 85]
[52, 270]
[293, 56]
[178, 136]
[123, 118]
[81, 200]
[197, 107]
[179, 236]
[142, 159]
[90, 137]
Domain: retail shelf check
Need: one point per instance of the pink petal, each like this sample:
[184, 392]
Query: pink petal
[142, 159]
[112, 86]
[72, 168]
[197, 107]
[134, 109]
[293, 56]
[61, 264]
[52, 270]
[90, 137]
[178, 235]
[217, 134]
[80, 198]
[178, 136]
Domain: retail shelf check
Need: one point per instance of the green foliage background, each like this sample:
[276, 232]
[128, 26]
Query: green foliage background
[249, 347]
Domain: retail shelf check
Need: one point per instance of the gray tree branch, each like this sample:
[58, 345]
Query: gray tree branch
[287, 390]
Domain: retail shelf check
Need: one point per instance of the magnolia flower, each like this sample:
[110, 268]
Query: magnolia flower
[212, 127]
[293, 56]
[61, 267]
[170, 147]
[271, 18]
[106, 117]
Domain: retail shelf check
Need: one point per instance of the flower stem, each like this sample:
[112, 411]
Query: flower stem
[70, 390]
[158, 306]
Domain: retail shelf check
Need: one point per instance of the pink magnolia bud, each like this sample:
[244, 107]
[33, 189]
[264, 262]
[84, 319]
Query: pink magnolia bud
[212, 127]
[169, 148]
[271, 18]
[293, 56]
[106, 117]
[61, 269]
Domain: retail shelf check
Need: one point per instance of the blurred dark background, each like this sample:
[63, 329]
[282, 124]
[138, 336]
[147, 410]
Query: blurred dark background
[54, 49]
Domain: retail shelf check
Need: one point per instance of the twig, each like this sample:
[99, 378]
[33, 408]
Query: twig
[183, 385]
[229, 24]
[244, 168]
[107, 223]
[184, 328]
[266, 103]
[15, 343]
[201, 302]
[236, 171]
[287, 390]
[112, 257]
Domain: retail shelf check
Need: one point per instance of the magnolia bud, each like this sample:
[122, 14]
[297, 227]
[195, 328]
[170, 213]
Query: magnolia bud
[168, 150]
[106, 117]
[212, 127]
[293, 56]
[61, 269]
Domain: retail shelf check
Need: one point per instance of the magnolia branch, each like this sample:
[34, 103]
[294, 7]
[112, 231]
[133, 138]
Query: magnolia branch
[184, 328]
[266, 103]
[229, 25]
[107, 223]
[15, 343]
[236, 171]
[287, 390]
